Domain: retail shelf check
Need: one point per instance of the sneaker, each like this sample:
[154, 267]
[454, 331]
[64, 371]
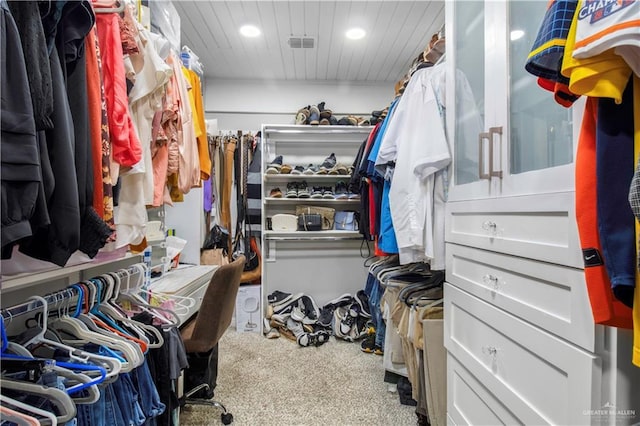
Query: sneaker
[302, 337]
[341, 191]
[275, 193]
[285, 169]
[329, 163]
[310, 170]
[349, 320]
[292, 190]
[297, 170]
[321, 337]
[378, 350]
[359, 329]
[363, 302]
[303, 190]
[326, 315]
[324, 122]
[279, 320]
[314, 115]
[333, 171]
[297, 312]
[333, 121]
[317, 192]
[339, 314]
[368, 344]
[286, 305]
[341, 169]
[278, 297]
[268, 331]
[274, 167]
[344, 121]
[302, 116]
[328, 193]
[311, 311]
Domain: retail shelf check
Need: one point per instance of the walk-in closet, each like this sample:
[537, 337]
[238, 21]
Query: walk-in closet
[319, 212]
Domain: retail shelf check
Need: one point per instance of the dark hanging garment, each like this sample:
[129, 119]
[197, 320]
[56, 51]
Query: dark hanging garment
[20, 168]
[57, 241]
[76, 21]
[27, 17]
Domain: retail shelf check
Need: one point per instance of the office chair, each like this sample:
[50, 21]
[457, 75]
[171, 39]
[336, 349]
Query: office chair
[201, 335]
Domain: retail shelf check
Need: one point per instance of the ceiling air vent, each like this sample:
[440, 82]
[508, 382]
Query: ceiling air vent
[301, 42]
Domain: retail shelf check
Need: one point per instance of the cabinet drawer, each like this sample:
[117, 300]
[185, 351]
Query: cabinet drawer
[541, 227]
[471, 403]
[547, 295]
[542, 379]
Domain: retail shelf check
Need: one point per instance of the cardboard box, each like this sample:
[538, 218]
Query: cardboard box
[248, 312]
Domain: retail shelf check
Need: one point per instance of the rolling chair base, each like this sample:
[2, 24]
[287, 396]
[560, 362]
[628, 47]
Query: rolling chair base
[225, 417]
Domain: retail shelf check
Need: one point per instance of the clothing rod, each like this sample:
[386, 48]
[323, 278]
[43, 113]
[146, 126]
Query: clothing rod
[65, 293]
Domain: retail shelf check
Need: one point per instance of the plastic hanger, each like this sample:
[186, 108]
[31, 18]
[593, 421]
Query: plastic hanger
[59, 398]
[99, 8]
[131, 294]
[51, 419]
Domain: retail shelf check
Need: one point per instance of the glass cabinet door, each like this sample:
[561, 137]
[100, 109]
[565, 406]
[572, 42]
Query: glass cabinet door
[539, 133]
[508, 135]
[466, 97]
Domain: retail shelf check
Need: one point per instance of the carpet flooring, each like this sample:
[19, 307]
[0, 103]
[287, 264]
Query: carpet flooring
[276, 382]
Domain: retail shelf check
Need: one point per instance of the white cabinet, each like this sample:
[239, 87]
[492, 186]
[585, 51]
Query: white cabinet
[516, 140]
[521, 344]
[323, 264]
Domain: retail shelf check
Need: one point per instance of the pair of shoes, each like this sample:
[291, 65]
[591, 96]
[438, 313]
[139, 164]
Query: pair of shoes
[305, 311]
[297, 170]
[341, 191]
[297, 190]
[275, 193]
[322, 192]
[325, 318]
[274, 167]
[344, 319]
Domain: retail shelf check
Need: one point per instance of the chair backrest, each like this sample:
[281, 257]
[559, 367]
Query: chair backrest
[218, 303]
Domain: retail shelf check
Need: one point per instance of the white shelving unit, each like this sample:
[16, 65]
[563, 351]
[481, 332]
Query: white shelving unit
[323, 264]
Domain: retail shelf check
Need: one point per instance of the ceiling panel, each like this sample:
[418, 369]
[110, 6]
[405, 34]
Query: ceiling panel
[396, 32]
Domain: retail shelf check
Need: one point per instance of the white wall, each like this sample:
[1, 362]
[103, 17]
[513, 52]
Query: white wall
[247, 104]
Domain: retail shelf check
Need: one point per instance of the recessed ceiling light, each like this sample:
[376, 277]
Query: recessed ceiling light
[516, 34]
[355, 33]
[249, 31]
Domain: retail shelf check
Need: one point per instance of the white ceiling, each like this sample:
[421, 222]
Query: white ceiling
[396, 32]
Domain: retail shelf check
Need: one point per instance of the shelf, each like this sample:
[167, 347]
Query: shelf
[331, 235]
[27, 279]
[305, 130]
[310, 178]
[289, 201]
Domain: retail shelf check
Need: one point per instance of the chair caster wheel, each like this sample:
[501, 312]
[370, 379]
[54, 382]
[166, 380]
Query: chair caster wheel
[227, 418]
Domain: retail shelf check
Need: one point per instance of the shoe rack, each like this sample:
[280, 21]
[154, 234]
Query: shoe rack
[323, 264]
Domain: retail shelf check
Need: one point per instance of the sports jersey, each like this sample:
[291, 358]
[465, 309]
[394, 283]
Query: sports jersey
[609, 24]
[606, 309]
[602, 76]
[545, 58]
[614, 169]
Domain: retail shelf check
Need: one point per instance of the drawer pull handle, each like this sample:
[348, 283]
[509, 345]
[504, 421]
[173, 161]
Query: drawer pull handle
[491, 280]
[488, 225]
[490, 350]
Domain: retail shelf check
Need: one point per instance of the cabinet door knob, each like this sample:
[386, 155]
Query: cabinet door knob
[488, 225]
[490, 350]
[491, 280]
